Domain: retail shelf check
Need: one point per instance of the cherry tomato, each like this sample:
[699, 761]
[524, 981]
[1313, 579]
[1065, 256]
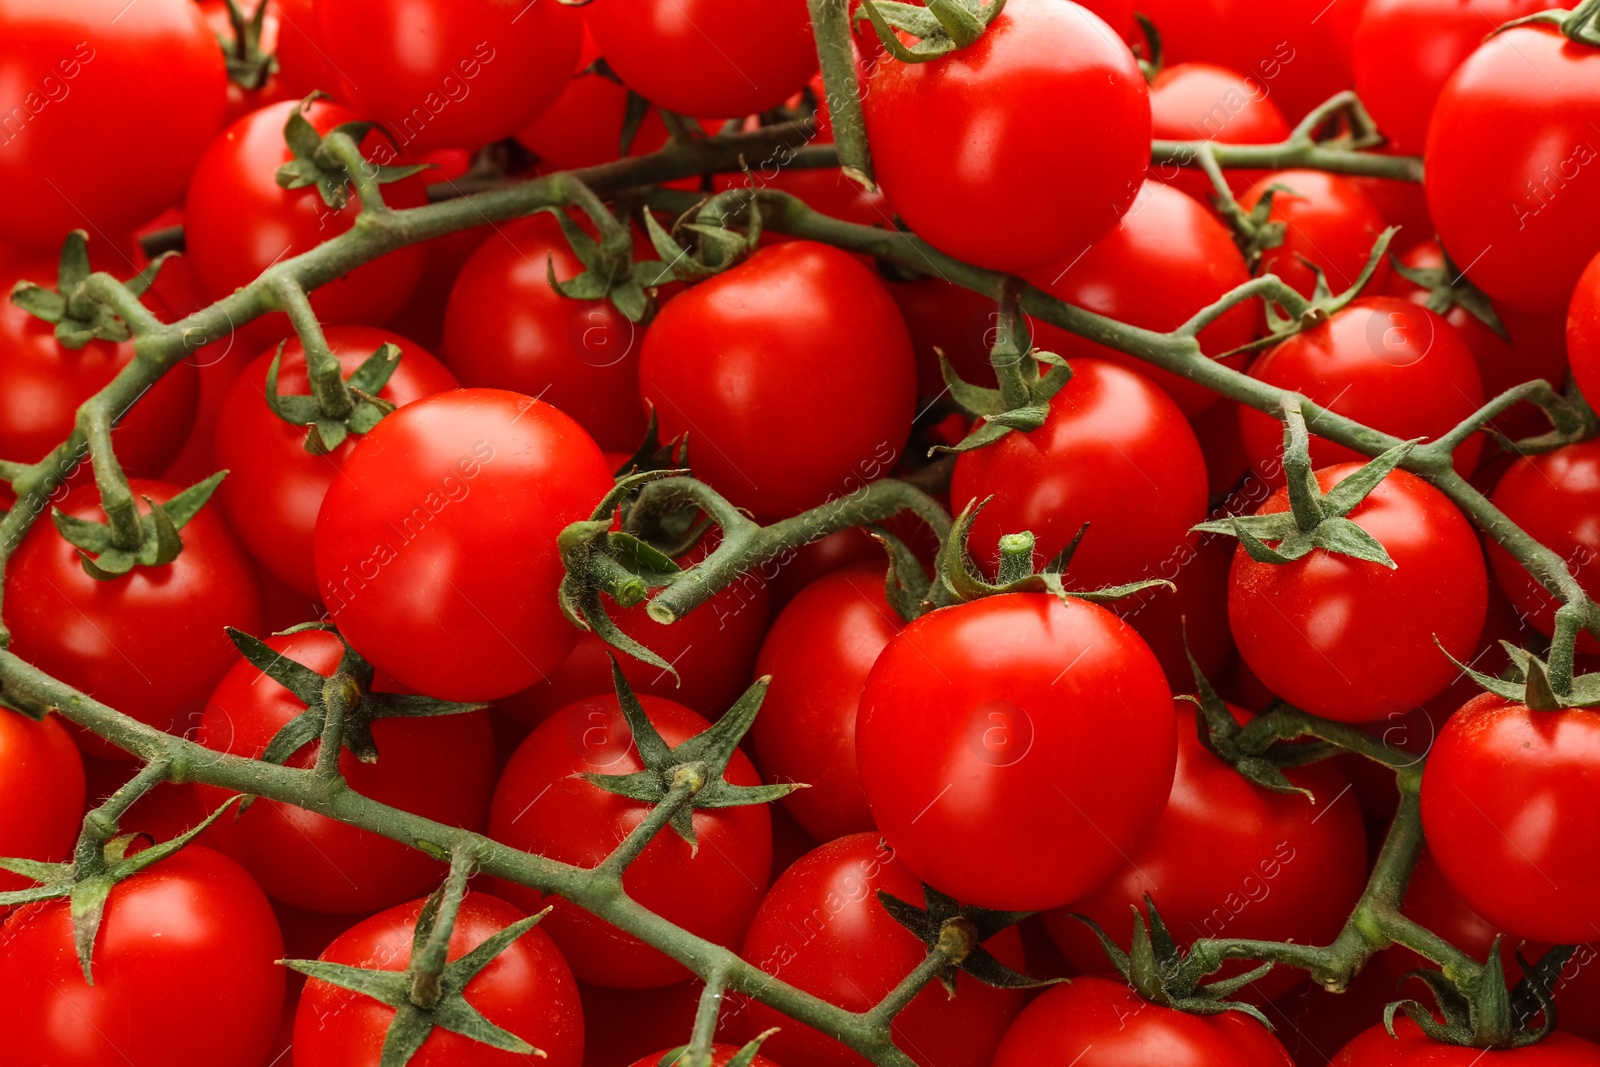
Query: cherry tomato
[822, 929]
[436, 548]
[1093, 1022]
[542, 805]
[1044, 80]
[1353, 640]
[1116, 453]
[149, 643]
[41, 792]
[275, 487]
[1205, 102]
[1231, 859]
[1387, 363]
[449, 73]
[1583, 333]
[583, 128]
[741, 361]
[303, 66]
[1328, 221]
[238, 221]
[1167, 259]
[527, 990]
[958, 322]
[69, 66]
[720, 1055]
[1375, 1048]
[189, 942]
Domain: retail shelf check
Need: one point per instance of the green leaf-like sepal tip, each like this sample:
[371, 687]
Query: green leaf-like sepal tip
[159, 540]
[941, 27]
[324, 432]
[314, 165]
[1529, 682]
[1481, 1012]
[78, 316]
[960, 931]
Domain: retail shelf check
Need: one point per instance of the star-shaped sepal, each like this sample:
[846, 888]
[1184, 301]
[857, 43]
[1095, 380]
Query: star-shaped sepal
[958, 932]
[324, 433]
[79, 317]
[940, 26]
[159, 541]
[1482, 1012]
[315, 164]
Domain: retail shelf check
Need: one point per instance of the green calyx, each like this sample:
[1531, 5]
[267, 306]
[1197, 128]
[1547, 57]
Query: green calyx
[1324, 303]
[325, 431]
[104, 554]
[679, 1057]
[609, 271]
[696, 766]
[318, 162]
[1448, 287]
[1148, 54]
[1155, 970]
[1483, 1013]
[1529, 682]
[248, 66]
[958, 932]
[79, 316]
[713, 244]
[1580, 24]
[429, 994]
[941, 27]
[1315, 519]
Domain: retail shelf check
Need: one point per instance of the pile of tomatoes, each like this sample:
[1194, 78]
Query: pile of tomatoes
[1032, 759]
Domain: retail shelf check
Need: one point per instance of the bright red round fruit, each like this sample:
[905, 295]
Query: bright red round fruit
[1328, 221]
[1205, 102]
[41, 792]
[1412, 1048]
[1583, 332]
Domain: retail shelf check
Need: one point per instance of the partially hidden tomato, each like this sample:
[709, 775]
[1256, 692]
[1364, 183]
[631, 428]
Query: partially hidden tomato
[1205, 102]
[1411, 1047]
[1191, 618]
[958, 322]
[41, 792]
[822, 929]
[1329, 224]
[720, 1056]
[303, 67]
[1583, 332]
[436, 548]
[583, 128]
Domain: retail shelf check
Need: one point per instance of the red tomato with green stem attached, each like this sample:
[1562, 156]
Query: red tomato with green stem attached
[1046, 79]
[720, 1057]
[1329, 223]
[1410, 1047]
[1583, 333]
[543, 805]
[1352, 640]
[41, 792]
[189, 941]
[440, 767]
[243, 100]
[822, 929]
[274, 488]
[527, 990]
[1205, 102]
[958, 322]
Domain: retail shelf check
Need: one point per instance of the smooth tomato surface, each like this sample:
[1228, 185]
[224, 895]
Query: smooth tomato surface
[1413, 1048]
[1205, 102]
[41, 792]
[1583, 332]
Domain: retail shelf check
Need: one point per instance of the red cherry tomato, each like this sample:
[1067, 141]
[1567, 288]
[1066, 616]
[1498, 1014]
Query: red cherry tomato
[436, 548]
[542, 805]
[238, 221]
[190, 942]
[1556, 498]
[528, 990]
[1375, 1048]
[275, 487]
[583, 128]
[1192, 617]
[720, 1055]
[822, 929]
[1329, 222]
[958, 322]
[303, 66]
[1205, 102]
[1583, 333]
[1045, 78]
[1353, 640]
[41, 792]
[742, 360]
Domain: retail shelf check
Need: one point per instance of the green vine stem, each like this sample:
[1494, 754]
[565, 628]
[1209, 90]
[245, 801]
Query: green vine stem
[830, 22]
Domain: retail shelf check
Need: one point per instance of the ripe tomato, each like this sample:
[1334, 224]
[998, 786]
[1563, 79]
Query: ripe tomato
[506, 328]
[707, 57]
[1329, 221]
[1046, 77]
[958, 322]
[1093, 1022]
[67, 67]
[818, 654]
[527, 990]
[542, 805]
[189, 941]
[720, 1055]
[238, 221]
[303, 67]
[1520, 219]
[583, 128]
[1205, 102]
[1385, 362]
[1375, 1048]
[41, 792]
[275, 487]
[149, 643]
[1116, 453]
[440, 767]
[981, 743]
[1168, 258]
[743, 360]
[454, 74]
[621, 1025]
[1555, 497]
[1583, 333]
[1231, 859]
[1192, 617]
[436, 548]
[1353, 640]
[822, 929]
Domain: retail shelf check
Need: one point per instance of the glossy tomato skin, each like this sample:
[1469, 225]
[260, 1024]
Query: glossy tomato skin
[583, 128]
[436, 549]
[1352, 640]
[528, 990]
[274, 487]
[720, 1055]
[1231, 859]
[190, 941]
[238, 221]
[741, 361]
[1385, 362]
[982, 742]
[1046, 77]
[41, 792]
[67, 66]
[1168, 258]
[1530, 247]
[506, 328]
[822, 929]
[1205, 102]
[1505, 805]
[454, 74]
[1114, 452]
[707, 57]
[1583, 332]
[1329, 221]
[149, 643]
[541, 806]
[437, 767]
[1095, 1022]
[1412, 1048]
[303, 66]
[818, 654]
